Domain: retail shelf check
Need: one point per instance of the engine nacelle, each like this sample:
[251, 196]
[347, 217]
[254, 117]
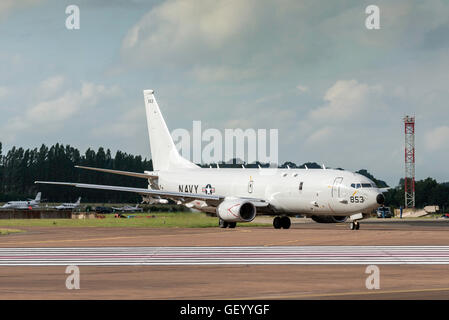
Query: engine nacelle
[329, 219]
[236, 211]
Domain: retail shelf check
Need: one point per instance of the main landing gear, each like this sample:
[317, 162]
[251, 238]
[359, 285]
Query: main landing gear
[282, 222]
[225, 224]
[355, 225]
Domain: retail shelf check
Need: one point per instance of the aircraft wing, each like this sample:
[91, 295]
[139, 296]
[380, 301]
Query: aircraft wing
[141, 191]
[184, 197]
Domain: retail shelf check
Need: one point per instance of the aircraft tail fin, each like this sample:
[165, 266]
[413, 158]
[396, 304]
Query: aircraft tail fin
[164, 154]
[78, 201]
[38, 197]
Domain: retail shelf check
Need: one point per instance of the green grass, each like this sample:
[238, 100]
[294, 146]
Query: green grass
[161, 220]
[4, 232]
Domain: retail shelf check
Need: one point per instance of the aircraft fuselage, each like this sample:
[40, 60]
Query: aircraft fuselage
[300, 191]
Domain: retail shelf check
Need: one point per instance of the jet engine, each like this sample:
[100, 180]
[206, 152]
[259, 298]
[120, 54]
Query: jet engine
[329, 219]
[236, 211]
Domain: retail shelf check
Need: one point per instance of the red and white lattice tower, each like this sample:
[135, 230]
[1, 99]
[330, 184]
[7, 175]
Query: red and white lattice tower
[409, 182]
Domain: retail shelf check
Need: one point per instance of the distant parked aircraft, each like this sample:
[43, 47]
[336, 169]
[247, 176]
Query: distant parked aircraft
[69, 206]
[154, 200]
[128, 208]
[30, 204]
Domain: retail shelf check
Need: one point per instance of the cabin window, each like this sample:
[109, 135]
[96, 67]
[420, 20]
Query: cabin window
[300, 186]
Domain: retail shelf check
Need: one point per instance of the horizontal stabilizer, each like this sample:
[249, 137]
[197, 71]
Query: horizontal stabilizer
[124, 173]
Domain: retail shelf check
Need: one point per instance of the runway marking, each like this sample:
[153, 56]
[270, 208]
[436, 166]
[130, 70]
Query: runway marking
[80, 240]
[280, 243]
[115, 238]
[256, 255]
[343, 294]
[105, 238]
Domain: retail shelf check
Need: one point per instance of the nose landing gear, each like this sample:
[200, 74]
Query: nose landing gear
[282, 222]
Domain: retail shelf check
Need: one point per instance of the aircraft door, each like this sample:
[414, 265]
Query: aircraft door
[250, 186]
[336, 188]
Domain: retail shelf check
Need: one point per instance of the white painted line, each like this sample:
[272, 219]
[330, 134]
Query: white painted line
[282, 255]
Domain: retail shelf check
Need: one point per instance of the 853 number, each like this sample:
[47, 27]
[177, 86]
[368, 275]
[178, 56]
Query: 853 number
[357, 199]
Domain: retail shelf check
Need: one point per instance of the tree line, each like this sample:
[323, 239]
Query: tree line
[427, 192]
[19, 168]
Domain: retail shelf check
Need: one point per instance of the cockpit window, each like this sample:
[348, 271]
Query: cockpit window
[366, 185]
[362, 185]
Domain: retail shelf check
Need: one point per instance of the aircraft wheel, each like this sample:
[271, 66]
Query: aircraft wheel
[286, 222]
[352, 226]
[232, 224]
[357, 226]
[222, 223]
[277, 222]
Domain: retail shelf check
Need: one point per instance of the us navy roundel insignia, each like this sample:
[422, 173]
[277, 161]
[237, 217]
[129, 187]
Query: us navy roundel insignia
[208, 189]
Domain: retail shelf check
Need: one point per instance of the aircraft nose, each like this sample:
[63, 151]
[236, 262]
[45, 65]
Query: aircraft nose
[380, 198]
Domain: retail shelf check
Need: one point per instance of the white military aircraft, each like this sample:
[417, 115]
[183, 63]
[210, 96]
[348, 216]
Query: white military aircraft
[69, 206]
[238, 195]
[29, 204]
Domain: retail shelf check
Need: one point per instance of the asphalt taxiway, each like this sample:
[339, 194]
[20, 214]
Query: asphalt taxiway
[308, 261]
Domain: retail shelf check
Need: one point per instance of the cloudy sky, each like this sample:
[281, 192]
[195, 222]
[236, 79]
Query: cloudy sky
[336, 91]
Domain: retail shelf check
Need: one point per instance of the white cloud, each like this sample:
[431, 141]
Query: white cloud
[180, 32]
[302, 89]
[178, 24]
[239, 123]
[437, 138]
[50, 86]
[348, 125]
[51, 114]
[4, 91]
[7, 6]
[222, 73]
[231, 39]
[128, 124]
[347, 100]
[320, 135]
